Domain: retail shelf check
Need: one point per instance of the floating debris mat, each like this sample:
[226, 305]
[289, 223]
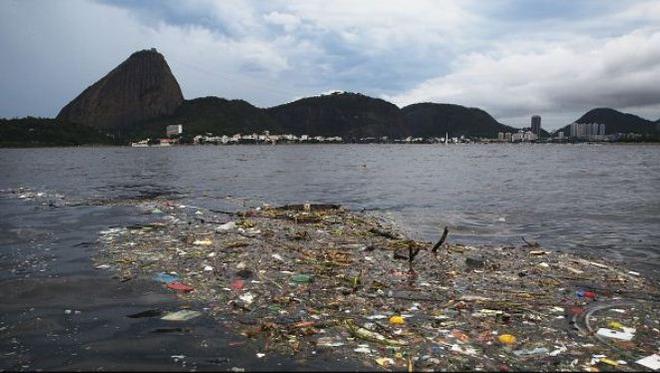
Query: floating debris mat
[312, 280]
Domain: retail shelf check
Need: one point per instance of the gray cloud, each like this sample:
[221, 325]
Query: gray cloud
[507, 57]
[556, 79]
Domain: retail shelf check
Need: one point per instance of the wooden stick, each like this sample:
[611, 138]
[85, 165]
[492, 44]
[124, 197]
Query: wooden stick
[413, 253]
[442, 240]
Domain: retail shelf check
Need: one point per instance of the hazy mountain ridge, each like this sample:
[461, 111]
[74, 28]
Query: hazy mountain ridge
[431, 119]
[615, 122]
[209, 115]
[344, 114]
[350, 115]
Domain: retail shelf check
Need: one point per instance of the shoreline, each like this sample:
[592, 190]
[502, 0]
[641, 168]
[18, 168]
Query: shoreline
[314, 144]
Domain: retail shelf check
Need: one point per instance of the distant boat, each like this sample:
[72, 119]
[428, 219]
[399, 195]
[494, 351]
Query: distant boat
[140, 144]
[145, 144]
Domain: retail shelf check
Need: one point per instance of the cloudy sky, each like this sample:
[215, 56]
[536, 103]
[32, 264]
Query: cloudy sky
[512, 58]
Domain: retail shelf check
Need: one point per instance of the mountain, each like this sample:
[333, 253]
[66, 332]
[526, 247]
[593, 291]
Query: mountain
[141, 96]
[350, 115]
[434, 120]
[32, 131]
[140, 88]
[615, 121]
[344, 114]
[210, 115]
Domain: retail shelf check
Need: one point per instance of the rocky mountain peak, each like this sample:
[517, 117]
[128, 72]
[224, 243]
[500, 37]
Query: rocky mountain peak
[140, 88]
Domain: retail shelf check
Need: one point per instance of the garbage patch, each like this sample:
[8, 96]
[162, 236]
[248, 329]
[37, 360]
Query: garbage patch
[305, 278]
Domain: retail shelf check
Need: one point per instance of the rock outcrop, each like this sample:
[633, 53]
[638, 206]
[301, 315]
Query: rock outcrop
[139, 89]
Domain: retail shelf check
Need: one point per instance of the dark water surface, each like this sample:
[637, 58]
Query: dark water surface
[599, 199]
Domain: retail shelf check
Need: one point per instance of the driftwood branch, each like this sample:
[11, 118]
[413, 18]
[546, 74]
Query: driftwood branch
[442, 240]
[412, 252]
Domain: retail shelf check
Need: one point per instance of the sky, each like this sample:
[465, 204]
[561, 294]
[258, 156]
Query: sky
[512, 58]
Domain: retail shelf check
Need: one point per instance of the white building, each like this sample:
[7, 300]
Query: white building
[588, 131]
[530, 136]
[174, 129]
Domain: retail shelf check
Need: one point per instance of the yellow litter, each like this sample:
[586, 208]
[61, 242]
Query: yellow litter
[615, 325]
[507, 339]
[609, 361]
[384, 361]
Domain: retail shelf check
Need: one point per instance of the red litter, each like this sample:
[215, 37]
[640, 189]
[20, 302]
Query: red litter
[576, 311]
[178, 286]
[237, 284]
[589, 294]
[586, 294]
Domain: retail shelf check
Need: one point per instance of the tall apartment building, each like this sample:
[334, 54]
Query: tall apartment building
[588, 131]
[536, 125]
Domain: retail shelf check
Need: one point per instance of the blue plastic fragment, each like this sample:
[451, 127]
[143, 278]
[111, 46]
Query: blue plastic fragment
[165, 277]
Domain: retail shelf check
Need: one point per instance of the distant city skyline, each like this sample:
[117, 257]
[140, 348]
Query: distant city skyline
[511, 58]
